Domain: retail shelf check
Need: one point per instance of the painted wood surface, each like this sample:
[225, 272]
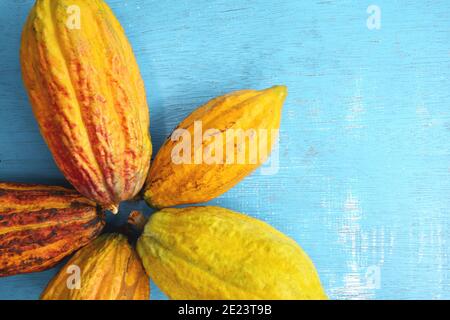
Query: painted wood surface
[364, 177]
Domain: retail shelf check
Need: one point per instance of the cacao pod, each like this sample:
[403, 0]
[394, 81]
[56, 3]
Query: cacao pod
[40, 225]
[88, 97]
[106, 269]
[240, 129]
[215, 253]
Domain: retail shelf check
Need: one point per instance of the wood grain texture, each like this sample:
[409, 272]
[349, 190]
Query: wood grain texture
[364, 178]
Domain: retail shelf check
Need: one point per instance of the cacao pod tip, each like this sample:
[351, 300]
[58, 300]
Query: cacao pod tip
[280, 90]
[114, 208]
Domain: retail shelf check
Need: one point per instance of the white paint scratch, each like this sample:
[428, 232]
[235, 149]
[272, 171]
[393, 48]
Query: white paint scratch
[365, 249]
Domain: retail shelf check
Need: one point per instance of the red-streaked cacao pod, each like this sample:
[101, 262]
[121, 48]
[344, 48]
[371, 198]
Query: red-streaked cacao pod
[40, 225]
[88, 97]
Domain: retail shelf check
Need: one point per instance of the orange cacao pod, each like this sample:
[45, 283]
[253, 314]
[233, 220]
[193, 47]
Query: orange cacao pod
[88, 97]
[106, 269]
[40, 225]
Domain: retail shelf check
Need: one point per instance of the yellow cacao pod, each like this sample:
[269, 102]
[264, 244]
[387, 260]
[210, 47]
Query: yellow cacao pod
[88, 97]
[106, 269]
[230, 136]
[215, 147]
[40, 225]
[215, 253]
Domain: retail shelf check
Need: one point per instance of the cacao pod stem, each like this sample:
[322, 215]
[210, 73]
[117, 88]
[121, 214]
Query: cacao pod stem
[137, 221]
[135, 226]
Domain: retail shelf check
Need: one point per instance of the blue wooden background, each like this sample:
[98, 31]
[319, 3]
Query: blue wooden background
[364, 179]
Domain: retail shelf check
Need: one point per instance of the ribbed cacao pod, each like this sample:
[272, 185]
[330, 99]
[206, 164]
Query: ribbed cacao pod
[106, 269]
[88, 97]
[40, 225]
[235, 124]
[215, 253]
